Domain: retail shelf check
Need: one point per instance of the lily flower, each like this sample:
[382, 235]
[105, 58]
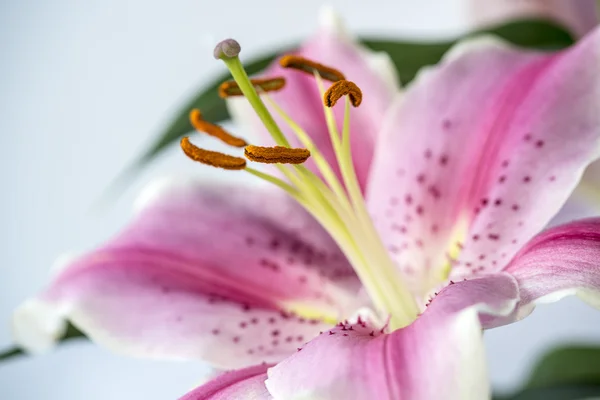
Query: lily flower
[456, 196]
[429, 217]
[580, 17]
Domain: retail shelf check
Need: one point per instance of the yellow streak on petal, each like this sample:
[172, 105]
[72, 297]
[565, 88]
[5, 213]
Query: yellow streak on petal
[454, 246]
[589, 192]
[312, 312]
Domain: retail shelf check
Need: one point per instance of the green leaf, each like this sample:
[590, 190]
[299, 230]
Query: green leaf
[212, 106]
[563, 374]
[567, 366]
[70, 334]
[555, 393]
[408, 56]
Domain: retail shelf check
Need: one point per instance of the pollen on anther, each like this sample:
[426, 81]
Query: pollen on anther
[213, 158]
[342, 88]
[310, 67]
[231, 88]
[276, 154]
[214, 130]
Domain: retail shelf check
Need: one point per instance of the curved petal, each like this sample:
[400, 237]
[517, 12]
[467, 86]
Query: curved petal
[494, 296]
[480, 154]
[440, 355]
[586, 198]
[247, 383]
[226, 274]
[579, 16]
[301, 100]
[559, 262]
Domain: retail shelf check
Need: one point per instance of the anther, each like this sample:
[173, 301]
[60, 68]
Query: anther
[231, 88]
[277, 154]
[310, 67]
[343, 88]
[213, 158]
[214, 130]
[228, 48]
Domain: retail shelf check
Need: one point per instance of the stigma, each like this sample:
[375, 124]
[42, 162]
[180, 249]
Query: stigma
[336, 202]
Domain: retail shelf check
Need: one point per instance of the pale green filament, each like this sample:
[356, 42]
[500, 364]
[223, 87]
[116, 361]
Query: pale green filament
[403, 303]
[339, 208]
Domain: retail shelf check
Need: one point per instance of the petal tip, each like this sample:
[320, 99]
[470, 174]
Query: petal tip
[63, 262]
[474, 44]
[36, 326]
[331, 21]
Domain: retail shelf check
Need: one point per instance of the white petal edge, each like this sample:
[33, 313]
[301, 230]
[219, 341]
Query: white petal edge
[37, 326]
[380, 62]
[588, 296]
[157, 188]
[465, 46]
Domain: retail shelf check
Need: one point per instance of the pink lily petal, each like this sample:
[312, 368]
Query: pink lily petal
[439, 356]
[372, 72]
[247, 383]
[559, 262]
[477, 142]
[203, 272]
[581, 16]
[358, 361]
[495, 297]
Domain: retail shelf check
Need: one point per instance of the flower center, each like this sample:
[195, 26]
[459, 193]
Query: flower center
[337, 204]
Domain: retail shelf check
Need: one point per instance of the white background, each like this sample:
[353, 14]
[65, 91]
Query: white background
[84, 87]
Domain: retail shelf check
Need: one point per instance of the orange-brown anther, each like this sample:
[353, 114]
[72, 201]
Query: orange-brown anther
[342, 88]
[308, 66]
[213, 158]
[277, 154]
[214, 130]
[231, 88]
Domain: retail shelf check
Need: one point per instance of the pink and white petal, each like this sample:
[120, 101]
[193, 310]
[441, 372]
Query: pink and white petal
[579, 16]
[373, 72]
[359, 362]
[203, 272]
[562, 261]
[494, 296]
[247, 383]
[480, 154]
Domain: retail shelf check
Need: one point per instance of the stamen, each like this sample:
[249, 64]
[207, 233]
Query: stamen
[310, 67]
[231, 88]
[340, 209]
[225, 49]
[213, 158]
[342, 88]
[277, 154]
[214, 130]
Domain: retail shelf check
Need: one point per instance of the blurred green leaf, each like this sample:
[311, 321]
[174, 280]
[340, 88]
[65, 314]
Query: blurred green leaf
[567, 366]
[207, 100]
[556, 393]
[409, 57]
[563, 374]
[70, 334]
